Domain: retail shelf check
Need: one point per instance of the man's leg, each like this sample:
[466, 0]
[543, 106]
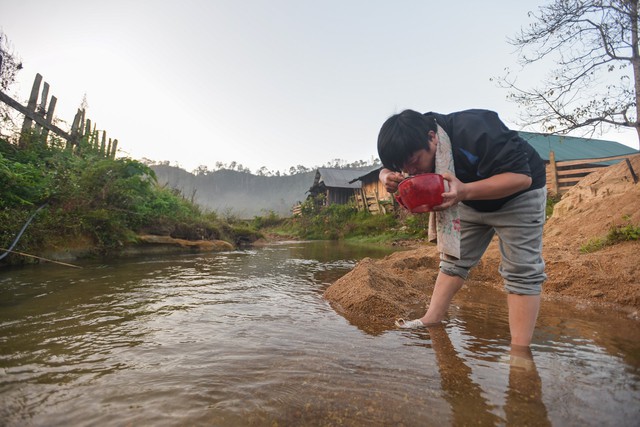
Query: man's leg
[523, 312]
[445, 288]
[519, 224]
[475, 238]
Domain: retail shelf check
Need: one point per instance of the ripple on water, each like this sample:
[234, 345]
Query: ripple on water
[246, 338]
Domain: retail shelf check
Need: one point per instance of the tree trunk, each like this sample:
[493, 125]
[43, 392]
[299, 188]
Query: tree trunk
[635, 60]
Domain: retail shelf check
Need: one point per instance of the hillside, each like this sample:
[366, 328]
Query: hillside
[241, 193]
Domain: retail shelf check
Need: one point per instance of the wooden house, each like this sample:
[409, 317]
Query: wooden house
[372, 196]
[338, 186]
[568, 159]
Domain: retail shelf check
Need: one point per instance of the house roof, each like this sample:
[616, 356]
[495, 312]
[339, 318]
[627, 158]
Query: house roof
[337, 178]
[366, 172]
[574, 148]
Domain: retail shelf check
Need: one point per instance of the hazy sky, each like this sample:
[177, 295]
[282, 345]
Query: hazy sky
[273, 83]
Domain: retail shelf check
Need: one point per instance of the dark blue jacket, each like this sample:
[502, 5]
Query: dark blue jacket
[483, 146]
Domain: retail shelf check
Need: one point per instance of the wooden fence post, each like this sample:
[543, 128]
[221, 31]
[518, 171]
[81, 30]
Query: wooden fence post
[31, 108]
[75, 129]
[114, 148]
[49, 116]
[42, 107]
[42, 115]
[102, 144]
[553, 172]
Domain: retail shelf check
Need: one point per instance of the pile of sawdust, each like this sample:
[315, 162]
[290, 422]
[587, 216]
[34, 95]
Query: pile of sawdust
[399, 285]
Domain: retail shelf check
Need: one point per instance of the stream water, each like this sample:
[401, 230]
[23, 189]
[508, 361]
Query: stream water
[246, 338]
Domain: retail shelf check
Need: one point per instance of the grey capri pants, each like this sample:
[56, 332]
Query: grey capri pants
[518, 224]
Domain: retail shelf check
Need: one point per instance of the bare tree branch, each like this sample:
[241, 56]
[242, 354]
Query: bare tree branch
[595, 83]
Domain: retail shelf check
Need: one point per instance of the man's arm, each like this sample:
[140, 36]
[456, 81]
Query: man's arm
[494, 187]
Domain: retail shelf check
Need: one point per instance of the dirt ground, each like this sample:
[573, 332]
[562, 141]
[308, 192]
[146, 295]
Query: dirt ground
[398, 285]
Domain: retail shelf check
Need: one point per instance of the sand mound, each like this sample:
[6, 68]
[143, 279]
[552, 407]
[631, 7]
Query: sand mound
[399, 285]
[602, 199]
[380, 291]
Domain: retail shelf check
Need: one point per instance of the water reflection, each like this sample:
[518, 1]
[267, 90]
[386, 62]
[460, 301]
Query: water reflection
[468, 404]
[475, 399]
[246, 338]
[524, 405]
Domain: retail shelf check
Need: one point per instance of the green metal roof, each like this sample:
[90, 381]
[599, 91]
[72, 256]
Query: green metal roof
[574, 148]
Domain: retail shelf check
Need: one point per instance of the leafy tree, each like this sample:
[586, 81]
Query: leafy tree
[596, 80]
[201, 170]
[9, 67]
[9, 64]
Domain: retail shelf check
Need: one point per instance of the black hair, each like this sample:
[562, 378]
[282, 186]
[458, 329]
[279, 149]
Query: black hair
[403, 134]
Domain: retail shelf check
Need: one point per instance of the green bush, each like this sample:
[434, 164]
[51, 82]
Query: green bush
[417, 225]
[269, 221]
[335, 222]
[363, 224]
[552, 200]
[617, 234]
[88, 195]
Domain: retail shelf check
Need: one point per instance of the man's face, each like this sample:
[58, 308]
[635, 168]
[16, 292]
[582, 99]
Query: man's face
[422, 161]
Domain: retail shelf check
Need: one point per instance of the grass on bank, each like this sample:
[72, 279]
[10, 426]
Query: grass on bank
[616, 234]
[88, 197]
[343, 222]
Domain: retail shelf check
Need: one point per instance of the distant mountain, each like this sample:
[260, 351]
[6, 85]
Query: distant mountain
[241, 193]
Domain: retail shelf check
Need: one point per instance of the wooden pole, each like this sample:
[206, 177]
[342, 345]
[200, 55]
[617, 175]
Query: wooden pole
[31, 108]
[41, 109]
[49, 116]
[43, 118]
[36, 118]
[81, 127]
[553, 169]
[103, 143]
[43, 99]
[381, 209]
[114, 148]
[633, 173]
[75, 129]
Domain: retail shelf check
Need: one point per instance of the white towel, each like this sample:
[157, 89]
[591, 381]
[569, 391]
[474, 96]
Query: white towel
[444, 226]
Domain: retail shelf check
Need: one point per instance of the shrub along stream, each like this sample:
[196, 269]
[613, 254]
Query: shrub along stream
[107, 202]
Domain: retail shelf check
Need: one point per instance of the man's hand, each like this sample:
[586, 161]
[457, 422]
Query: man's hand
[455, 194]
[390, 179]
